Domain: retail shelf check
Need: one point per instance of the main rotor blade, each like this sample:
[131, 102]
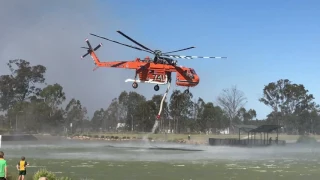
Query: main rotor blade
[179, 50]
[134, 41]
[192, 57]
[121, 43]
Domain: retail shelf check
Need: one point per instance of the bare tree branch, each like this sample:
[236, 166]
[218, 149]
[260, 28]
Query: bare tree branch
[231, 100]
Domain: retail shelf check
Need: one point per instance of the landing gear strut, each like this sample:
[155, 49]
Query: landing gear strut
[156, 87]
[135, 85]
[186, 91]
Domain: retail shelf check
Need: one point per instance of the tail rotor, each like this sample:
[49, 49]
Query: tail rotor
[92, 53]
[89, 48]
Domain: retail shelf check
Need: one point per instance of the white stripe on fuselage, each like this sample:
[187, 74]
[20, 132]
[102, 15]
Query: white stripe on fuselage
[151, 81]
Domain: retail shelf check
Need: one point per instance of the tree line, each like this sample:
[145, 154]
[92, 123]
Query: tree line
[29, 104]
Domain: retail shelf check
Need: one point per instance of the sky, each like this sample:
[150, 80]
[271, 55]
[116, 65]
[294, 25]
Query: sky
[264, 42]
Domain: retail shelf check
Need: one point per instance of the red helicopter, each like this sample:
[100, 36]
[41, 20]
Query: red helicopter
[155, 71]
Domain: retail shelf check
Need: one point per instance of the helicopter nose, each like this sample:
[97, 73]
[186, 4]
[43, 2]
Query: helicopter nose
[196, 79]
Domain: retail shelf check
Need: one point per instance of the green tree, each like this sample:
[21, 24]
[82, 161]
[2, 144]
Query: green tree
[98, 119]
[2, 121]
[207, 117]
[133, 111]
[21, 83]
[221, 118]
[181, 107]
[75, 114]
[26, 78]
[145, 112]
[199, 107]
[123, 106]
[29, 115]
[290, 103]
[210, 117]
[18, 89]
[6, 92]
[314, 124]
[113, 114]
[246, 116]
[53, 95]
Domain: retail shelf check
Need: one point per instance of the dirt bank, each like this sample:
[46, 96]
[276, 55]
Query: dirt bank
[125, 138]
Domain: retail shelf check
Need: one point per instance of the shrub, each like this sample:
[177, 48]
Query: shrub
[306, 140]
[44, 173]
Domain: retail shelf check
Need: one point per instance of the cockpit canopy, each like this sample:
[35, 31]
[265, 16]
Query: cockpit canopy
[192, 71]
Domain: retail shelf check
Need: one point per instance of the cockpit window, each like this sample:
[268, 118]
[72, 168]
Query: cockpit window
[192, 71]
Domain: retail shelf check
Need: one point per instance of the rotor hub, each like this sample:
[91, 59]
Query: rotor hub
[157, 53]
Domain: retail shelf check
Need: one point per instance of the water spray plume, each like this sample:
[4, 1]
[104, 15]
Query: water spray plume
[156, 123]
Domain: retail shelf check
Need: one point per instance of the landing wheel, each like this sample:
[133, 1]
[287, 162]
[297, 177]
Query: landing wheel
[186, 91]
[156, 87]
[135, 85]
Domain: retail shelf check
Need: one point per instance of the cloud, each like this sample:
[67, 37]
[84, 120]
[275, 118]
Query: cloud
[51, 33]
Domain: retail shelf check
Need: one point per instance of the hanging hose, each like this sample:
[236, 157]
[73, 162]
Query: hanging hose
[156, 123]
